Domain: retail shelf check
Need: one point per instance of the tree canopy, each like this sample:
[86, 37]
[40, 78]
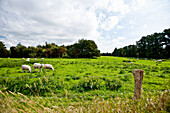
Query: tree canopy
[156, 45]
[3, 50]
[82, 49]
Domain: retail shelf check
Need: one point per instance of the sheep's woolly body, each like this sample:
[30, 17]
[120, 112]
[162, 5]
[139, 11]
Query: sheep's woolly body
[158, 61]
[28, 59]
[48, 66]
[26, 67]
[38, 65]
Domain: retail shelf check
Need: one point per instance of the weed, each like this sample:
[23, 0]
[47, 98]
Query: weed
[121, 71]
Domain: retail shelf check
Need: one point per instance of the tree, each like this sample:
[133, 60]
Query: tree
[31, 52]
[13, 51]
[156, 45]
[61, 51]
[20, 52]
[3, 50]
[114, 53]
[39, 51]
[84, 49]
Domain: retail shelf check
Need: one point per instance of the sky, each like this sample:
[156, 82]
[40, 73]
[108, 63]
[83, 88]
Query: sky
[110, 23]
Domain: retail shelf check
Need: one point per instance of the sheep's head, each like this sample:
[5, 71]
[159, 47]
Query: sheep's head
[30, 70]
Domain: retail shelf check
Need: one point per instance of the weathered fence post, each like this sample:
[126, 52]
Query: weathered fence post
[138, 77]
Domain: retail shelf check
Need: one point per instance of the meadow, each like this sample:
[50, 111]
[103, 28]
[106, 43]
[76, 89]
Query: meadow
[98, 83]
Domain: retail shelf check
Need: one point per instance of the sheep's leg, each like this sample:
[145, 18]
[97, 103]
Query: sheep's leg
[35, 69]
[22, 70]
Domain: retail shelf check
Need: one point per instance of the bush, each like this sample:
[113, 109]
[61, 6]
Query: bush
[121, 71]
[126, 78]
[89, 83]
[161, 75]
[113, 84]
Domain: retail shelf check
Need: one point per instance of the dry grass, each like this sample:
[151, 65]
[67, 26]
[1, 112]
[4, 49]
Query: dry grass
[17, 102]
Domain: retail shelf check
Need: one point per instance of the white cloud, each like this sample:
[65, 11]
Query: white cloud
[121, 38]
[34, 22]
[45, 20]
[110, 23]
[118, 6]
[120, 27]
[118, 41]
[138, 4]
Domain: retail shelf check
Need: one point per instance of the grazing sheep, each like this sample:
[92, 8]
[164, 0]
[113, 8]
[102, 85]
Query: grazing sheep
[42, 58]
[23, 58]
[28, 59]
[137, 58]
[158, 61]
[145, 58]
[48, 66]
[35, 59]
[153, 59]
[38, 65]
[131, 62]
[26, 67]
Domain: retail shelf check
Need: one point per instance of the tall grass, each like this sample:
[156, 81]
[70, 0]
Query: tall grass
[17, 102]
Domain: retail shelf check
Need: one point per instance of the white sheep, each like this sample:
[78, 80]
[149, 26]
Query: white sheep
[26, 67]
[48, 66]
[131, 62]
[158, 61]
[137, 58]
[42, 58]
[23, 58]
[28, 59]
[35, 59]
[38, 65]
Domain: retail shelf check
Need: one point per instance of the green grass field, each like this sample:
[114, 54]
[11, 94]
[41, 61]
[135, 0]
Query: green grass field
[79, 81]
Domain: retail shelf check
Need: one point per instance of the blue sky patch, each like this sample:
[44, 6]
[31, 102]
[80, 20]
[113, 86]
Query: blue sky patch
[2, 37]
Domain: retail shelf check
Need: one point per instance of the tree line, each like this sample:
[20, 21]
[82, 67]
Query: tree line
[82, 49]
[156, 45]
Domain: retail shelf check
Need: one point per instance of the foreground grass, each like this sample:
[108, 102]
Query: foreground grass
[84, 85]
[17, 102]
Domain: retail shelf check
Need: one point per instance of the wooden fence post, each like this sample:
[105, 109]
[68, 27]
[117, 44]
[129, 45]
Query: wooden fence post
[138, 77]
